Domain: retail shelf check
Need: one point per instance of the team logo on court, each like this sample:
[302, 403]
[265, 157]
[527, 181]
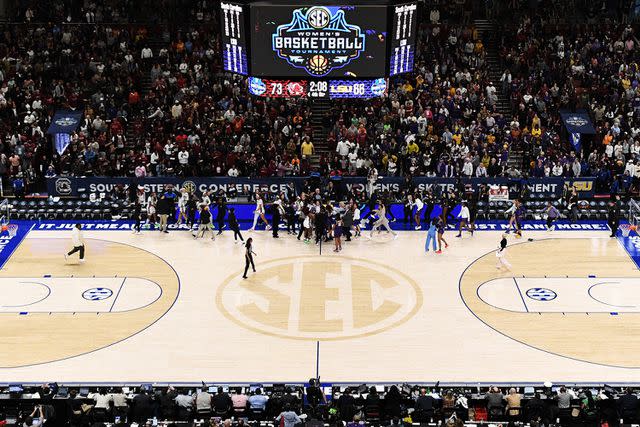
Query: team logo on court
[190, 186]
[63, 186]
[541, 294]
[320, 298]
[318, 39]
[97, 294]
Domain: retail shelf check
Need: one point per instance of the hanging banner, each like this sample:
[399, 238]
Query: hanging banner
[65, 121]
[578, 122]
[537, 187]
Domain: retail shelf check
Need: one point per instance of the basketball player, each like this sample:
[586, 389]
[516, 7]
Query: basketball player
[248, 257]
[182, 206]
[307, 223]
[206, 198]
[356, 219]
[205, 223]
[371, 204]
[419, 207]
[382, 221]
[500, 254]
[464, 217]
[77, 240]
[441, 227]
[519, 214]
[337, 234]
[152, 218]
[372, 178]
[258, 213]
[511, 212]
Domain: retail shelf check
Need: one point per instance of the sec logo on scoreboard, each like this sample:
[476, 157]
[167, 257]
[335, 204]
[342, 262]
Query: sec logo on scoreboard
[318, 40]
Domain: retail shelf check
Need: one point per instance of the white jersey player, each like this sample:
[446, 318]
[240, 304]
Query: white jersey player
[258, 213]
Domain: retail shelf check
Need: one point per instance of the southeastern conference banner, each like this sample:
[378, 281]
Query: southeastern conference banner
[547, 187]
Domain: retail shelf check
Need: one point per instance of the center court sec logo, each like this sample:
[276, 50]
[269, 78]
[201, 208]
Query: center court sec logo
[320, 298]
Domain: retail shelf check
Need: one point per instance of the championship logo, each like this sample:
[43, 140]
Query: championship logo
[318, 39]
[66, 121]
[577, 121]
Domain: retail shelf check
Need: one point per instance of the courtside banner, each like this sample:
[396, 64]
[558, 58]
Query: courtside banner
[546, 187]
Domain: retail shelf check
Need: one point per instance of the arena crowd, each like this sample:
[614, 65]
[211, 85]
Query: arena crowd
[156, 103]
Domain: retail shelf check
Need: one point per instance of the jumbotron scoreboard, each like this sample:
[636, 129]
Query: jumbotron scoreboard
[318, 50]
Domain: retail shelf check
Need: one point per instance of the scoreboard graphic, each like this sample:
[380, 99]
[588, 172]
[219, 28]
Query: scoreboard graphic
[402, 57]
[319, 50]
[318, 41]
[234, 46]
[331, 89]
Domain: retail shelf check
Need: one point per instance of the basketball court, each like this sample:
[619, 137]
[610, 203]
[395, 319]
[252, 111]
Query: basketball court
[165, 308]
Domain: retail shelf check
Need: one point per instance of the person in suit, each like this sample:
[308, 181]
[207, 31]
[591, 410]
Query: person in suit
[164, 210]
[137, 216]
[628, 407]
[234, 226]
[222, 212]
[424, 406]
[613, 215]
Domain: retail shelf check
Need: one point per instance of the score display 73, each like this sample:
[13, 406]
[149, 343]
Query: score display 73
[331, 89]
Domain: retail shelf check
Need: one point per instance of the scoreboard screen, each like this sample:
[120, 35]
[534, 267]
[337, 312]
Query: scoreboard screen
[318, 41]
[403, 38]
[331, 89]
[234, 44]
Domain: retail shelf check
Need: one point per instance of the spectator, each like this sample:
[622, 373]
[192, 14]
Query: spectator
[287, 417]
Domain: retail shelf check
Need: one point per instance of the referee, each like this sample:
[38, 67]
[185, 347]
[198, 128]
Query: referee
[248, 257]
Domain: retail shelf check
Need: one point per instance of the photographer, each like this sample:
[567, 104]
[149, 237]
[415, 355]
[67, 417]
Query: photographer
[32, 420]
